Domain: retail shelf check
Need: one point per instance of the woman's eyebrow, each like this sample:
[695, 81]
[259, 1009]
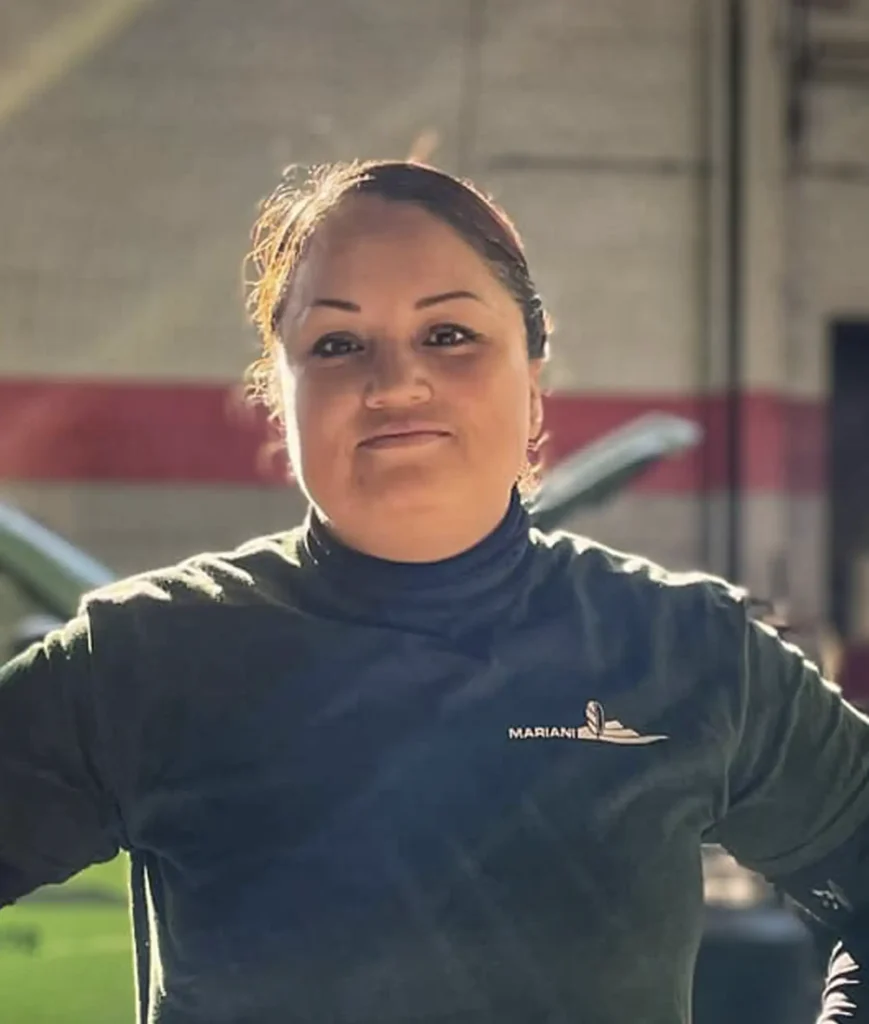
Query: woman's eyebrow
[429, 300]
[433, 300]
[350, 307]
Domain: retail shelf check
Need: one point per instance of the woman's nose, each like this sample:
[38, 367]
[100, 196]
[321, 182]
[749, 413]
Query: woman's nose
[397, 378]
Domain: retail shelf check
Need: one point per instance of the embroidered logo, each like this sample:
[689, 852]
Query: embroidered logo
[832, 898]
[596, 728]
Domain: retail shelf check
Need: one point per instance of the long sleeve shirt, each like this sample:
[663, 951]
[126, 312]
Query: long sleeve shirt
[470, 791]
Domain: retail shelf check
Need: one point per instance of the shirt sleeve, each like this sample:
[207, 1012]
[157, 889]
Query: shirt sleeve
[798, 768]
[56, 812]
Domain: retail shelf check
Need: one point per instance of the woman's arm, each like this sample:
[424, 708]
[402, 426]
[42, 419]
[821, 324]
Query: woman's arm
[835, 891]
[798, 803]
[57, 815]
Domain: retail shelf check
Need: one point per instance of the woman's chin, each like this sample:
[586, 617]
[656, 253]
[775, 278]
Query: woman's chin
[404, 481]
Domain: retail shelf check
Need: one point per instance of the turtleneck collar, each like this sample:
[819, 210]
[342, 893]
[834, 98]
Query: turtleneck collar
[467, 588]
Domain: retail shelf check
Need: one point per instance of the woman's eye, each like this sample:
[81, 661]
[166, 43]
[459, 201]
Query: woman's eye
[331, 346]
[450, 336]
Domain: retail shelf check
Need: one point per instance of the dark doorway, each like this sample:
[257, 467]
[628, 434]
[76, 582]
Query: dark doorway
[849, 468]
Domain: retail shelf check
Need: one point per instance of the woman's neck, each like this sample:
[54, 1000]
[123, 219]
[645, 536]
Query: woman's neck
[426, 534]
[474, 587]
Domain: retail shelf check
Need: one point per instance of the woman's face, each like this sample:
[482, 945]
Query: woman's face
[408, 393]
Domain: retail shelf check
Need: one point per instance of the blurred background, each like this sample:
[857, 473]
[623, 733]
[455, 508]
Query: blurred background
[691, 178]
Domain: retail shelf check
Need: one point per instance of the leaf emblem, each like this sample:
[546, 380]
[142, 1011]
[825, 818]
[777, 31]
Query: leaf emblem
[594, 717]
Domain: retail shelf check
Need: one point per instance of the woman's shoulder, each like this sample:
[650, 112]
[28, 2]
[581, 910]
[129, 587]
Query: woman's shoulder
[605, 572]
[260, 570]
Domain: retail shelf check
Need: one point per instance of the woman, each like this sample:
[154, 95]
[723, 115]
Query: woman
[414, 761]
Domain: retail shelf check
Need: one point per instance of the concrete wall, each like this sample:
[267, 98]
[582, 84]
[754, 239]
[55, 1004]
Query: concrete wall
[130, 184]
[827, 257]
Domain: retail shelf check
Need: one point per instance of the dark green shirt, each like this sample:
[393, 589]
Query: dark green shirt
[473, 791]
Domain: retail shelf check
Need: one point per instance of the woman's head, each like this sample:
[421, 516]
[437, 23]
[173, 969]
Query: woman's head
[403, 341]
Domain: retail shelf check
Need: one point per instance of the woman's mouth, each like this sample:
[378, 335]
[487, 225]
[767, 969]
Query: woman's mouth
[404, 438]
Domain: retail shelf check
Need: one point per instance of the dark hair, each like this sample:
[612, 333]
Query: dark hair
[290, 215]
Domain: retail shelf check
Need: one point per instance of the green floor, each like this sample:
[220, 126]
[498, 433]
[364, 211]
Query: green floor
[66, 956]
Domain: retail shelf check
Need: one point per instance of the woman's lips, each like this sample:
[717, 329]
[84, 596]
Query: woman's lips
[405, 439]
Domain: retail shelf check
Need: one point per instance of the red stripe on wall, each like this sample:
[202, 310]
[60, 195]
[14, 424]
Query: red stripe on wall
[202, 433]
[783, 440]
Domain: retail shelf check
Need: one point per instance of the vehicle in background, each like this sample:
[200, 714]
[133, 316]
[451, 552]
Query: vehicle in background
[598, 472]
[42, 579]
